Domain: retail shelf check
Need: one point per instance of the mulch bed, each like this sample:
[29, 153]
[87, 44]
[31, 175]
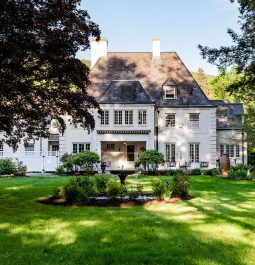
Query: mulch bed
[107, 202]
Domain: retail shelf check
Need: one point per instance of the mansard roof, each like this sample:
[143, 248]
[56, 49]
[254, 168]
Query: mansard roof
[152, 73]
[228, 115]
[124, 91]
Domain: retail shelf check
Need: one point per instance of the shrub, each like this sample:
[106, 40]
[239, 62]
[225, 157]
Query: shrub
[196, 172]
[180, 186]
[159, 189]
[80, 189]
[83, 161]
[251, 176]
[21, 169]
[101, 184]
[150, 159]
[215, 172]
[112, 189]
[174, 172]
[237, 172]
[7, 167]
[71, 192]
[58, 192]
[135, 191]
[122, 190]
[60, 170]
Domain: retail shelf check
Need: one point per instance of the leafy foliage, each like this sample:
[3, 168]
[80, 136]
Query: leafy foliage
[135, 191]
[151, 159]
[112, 189]
[9, 167]
[40, 78]
[237, 172]
[159, 189]
[101, 184]
[240, 54]
[203, 82]
[196, 172]
[180, 186]
[83, 161]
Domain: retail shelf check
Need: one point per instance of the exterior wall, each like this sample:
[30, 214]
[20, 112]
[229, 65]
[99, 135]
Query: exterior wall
[232, 137]
[182, 135]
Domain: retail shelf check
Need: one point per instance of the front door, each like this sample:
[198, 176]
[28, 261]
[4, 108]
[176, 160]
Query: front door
[130, 153]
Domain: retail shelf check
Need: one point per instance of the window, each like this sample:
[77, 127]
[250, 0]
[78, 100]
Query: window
[130, 153]
[128, 116]
[80, 147]
[194, 120]
[142, 117]
[231, 150]
[232, 154]
[110, 146]
[194, 152]
[170, 152]
[170, 120]
[105, 117]
[117, 117]
[1, 149]
[170, 92]
[237, 151]
[29, 147]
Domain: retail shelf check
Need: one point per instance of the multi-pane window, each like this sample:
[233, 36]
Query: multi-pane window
[170, 92]
[80, 147]
[170, 152]
[110, 146]
[194, 152]
[231, 150]
[119, 114]
[118, 117]
[128, 116]
[142, 117]
[105, 117]
[194, 120]
[237, 151]
[1, 149]
[170, 120]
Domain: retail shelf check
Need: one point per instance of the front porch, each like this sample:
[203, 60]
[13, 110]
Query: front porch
[121, 155]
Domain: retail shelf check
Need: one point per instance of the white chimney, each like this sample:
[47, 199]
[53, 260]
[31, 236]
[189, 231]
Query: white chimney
[98, 50]
[156, 47]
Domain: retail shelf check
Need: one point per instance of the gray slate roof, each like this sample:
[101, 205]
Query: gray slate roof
[125, 91]
[228, 115]
[151, 73]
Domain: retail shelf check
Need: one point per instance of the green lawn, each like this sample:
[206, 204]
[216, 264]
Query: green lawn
[217, 227]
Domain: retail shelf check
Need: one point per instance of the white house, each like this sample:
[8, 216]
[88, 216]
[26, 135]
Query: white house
[150, 101]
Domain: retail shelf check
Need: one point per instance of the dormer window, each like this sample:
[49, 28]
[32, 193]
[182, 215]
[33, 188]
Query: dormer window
[170, 89]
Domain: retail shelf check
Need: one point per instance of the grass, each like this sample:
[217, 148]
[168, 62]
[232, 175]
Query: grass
[217, 227]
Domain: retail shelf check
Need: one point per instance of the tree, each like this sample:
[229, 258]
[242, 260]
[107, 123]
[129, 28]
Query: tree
[221, 82]
[150, 159]
[241, 54]
[203, 82]
[40, 78]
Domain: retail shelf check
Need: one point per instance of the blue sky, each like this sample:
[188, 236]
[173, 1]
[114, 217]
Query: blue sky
[129, 25]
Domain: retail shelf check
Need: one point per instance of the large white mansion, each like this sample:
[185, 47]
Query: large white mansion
[150, 101]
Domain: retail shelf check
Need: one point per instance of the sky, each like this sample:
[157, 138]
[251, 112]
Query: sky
[130, 25]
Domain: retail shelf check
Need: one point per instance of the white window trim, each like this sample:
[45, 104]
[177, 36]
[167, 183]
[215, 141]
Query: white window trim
[123, 118]
[229, 146]
[175, 92]
[194, 152]
[143, 124]
[170, 153]
[194, 127]
[174, 120]
[100, 122]
[78, 143]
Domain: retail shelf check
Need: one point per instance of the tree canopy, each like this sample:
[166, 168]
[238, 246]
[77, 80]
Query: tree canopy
[241, 54]
[40, 77]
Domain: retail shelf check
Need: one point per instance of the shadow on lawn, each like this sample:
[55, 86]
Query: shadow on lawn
[154, 235]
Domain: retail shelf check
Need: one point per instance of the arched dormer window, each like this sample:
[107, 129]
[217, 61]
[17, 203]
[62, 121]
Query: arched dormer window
[170, 89]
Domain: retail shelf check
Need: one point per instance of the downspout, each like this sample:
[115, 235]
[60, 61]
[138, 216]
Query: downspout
[242, 146]
[156, 126]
